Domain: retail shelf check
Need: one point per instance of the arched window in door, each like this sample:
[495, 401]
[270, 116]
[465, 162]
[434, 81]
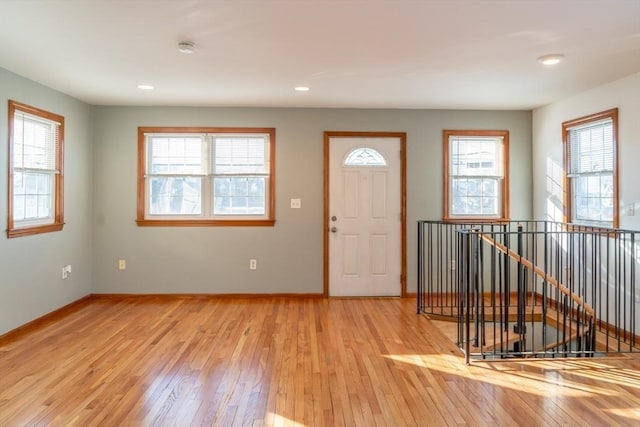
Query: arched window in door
[364, 156]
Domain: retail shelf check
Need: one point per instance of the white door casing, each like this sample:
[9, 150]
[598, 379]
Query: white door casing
[365, 216]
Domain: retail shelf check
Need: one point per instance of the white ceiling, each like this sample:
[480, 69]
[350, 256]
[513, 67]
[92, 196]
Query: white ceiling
[471, 54]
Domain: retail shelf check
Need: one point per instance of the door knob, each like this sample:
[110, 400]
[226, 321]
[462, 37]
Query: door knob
[334, 218]
[334, 229]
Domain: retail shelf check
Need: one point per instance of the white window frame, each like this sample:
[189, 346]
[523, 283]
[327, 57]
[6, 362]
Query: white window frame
[52, 142]
[606, 122]
[207, 176]
[501, 178]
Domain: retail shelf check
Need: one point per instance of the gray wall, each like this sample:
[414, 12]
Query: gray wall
[30, 267]
[623, 94]
[215, 259]
[547, 147]
[100, 202]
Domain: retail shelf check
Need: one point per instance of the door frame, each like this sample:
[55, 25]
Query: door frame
[403, 200]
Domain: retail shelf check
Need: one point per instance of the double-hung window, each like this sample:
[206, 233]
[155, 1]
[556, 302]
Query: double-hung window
[206, 176]
[35, 170]
[591, 193]
[476, 175]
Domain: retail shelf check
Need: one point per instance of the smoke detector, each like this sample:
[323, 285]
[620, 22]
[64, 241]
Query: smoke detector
[186, 47]
[552, 59]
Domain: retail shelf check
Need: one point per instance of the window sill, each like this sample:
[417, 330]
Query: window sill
[29, 231]
[474, 220]
[205, 222]
[591, 229]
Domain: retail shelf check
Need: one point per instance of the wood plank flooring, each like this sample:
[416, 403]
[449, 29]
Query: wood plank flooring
[288, 362]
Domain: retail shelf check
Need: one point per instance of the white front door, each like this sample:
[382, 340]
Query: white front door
[365, 222]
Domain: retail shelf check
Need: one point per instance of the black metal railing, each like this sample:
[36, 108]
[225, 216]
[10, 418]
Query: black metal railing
[531, 288]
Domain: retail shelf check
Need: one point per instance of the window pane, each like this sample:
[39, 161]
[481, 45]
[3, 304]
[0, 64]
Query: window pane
[175, 196]
[18, 207]
[239, 195]
[239, 187]
[490, 187]
[176, 155]
[44, 206]
[33, 196]
[256, 187]
[33, 142]
[241, 154]
[475, 196]
[489, 205]
[30, 206]
[470, 157]
[591, 148]
[593, 198]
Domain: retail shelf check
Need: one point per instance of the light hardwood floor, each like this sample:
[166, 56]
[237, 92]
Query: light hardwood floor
[290, 362]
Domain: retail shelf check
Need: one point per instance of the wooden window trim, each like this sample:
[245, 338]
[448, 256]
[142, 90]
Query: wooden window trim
[58, 202]
[567, 213]
[233, 222]
[504, 191]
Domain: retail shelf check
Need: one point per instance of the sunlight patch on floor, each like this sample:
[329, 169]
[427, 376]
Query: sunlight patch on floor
[275, 420]
[593, 370]
[631, 413]
[546, 383]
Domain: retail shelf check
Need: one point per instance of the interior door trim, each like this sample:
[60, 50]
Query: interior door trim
[403, 201]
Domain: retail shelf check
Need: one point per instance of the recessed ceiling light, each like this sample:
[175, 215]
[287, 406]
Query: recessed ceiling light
[302, 88]
[186, 47]
[145, 87]
[551, 59]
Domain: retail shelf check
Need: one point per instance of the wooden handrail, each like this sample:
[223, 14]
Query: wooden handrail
[539, 272]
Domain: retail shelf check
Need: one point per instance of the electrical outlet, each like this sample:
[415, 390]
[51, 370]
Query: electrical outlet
[452, 265]
[631, 210]
[253, 264]
[66, 270]
[122, 264]
[296, 203]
